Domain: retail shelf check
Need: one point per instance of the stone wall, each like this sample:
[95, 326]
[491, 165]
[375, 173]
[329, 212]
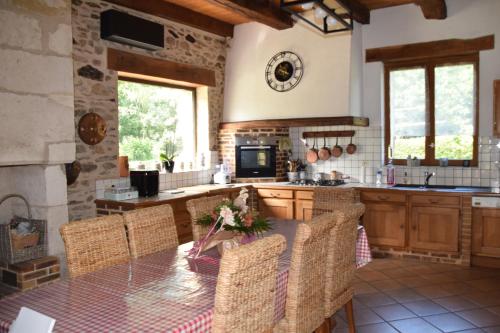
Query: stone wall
[95, 89]
[226, 149]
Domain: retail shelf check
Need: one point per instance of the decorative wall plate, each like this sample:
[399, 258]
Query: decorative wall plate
[72, 172]
[92, 128]
[284, 71]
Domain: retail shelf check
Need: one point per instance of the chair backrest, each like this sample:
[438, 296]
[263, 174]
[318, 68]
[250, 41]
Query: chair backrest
[328, 199]
[246, 287]
[341, 257]
[32, 321]
[150, 230]
[94, 244]
[304, 311]
[199, 207]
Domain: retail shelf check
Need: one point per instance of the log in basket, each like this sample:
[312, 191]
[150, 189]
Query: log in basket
[17, 248]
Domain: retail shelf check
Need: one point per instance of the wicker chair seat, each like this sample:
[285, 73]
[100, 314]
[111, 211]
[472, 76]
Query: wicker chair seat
[151, 230]
[246, 287]
[94, 244]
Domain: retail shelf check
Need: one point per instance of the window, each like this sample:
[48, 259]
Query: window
[431, 110]
[155, 115]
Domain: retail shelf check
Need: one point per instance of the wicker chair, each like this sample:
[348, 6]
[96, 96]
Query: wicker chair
[94, 244]
[199, 207]
[341, 262]
[246, 287]
[328, 199]
[304, 312]
[151, 230]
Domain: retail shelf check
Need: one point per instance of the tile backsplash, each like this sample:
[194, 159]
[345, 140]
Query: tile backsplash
[168, 181]
[369, 154]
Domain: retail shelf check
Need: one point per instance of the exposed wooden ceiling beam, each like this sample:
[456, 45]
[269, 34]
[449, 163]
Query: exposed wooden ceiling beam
[122, 61]
[433, 9]
[360, 12]
[441, 48]
[262, 11]
[178, 14]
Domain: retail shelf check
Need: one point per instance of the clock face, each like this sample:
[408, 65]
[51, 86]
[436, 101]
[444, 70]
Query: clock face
[284, 71]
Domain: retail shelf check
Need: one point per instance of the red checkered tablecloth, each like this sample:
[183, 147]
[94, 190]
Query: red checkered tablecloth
[163, 292]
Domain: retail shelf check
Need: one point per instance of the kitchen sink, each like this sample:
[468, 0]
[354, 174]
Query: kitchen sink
[418, 186]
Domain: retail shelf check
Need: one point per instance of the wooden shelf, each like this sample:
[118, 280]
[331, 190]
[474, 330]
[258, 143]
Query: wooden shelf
[298, 122]
[328, 134]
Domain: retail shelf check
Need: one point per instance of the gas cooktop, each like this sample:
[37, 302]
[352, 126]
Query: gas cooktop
[323, 182]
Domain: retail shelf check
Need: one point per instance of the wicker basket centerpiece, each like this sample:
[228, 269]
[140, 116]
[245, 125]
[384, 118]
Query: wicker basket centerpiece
[23, 238]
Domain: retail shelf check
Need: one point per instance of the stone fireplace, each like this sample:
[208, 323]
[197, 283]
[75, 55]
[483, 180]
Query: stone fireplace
[37, 134]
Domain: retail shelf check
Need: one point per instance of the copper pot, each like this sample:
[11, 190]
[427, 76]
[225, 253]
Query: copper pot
[337, 150]
[351, 148]
[324, 153]
[312, 154]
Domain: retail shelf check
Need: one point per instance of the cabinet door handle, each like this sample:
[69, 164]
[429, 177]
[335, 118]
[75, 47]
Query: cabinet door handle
[402, 226]
[383, 197]
[434, 201]
[414, 227]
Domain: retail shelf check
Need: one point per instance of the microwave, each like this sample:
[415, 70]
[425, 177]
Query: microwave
[146, 182]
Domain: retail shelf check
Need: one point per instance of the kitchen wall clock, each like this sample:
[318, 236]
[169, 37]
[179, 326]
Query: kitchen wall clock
[284, 71]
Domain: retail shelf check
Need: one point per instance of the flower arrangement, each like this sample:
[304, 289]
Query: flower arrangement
[229, 220]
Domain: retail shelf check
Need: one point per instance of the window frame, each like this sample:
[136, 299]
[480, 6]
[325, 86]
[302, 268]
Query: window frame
[429, 64]
[174, 86]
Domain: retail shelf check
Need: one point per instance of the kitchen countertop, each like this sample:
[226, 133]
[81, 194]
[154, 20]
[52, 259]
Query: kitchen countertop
[458, 189]
[200, 190]
[168, 195]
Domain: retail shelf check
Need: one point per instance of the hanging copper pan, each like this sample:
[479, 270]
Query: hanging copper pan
[351, 148]
[337, 150]
[312, 154]
[324, 153]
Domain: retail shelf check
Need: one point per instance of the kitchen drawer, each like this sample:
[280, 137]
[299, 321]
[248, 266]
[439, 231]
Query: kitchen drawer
[304, 195]
[383, 196]
[441, 200]
[268, 193]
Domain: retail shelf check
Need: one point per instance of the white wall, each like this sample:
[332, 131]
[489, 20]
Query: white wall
[406, 24]
[323, 91]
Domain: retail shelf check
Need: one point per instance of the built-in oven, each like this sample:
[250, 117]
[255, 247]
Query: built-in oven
[255, 157]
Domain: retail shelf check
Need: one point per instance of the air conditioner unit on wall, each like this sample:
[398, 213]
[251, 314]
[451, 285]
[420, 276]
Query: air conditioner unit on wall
[131, 30]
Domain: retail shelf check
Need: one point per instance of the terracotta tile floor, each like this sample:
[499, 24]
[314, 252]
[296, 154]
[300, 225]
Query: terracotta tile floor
[413, 297]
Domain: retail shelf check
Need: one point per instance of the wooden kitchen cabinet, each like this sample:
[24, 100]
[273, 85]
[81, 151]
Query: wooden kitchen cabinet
[434, 222]
[434, 228]
[486, 232]
[182, 221]
[496, 108]
[385, 223]
[277, 208]
[303, 210]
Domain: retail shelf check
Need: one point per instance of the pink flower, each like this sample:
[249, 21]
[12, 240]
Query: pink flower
[248, 220]
[227, 215]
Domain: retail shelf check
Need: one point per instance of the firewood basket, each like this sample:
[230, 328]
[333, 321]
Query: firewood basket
[18, 248]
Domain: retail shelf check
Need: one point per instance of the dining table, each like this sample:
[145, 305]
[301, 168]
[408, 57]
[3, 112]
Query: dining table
[167, 291]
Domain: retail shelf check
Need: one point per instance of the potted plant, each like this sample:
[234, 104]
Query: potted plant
[168, 155]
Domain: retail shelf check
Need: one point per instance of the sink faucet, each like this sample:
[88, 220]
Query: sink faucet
[428, 176]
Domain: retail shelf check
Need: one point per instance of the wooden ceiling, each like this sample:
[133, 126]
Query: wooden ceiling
[377, 4]
[220, 16]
